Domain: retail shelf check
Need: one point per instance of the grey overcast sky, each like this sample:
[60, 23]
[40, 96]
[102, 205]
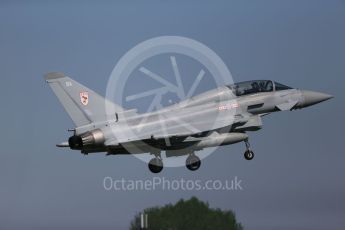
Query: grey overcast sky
[295, 182]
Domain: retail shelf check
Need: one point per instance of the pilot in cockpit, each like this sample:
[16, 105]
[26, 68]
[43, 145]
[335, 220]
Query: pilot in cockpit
[255, 87]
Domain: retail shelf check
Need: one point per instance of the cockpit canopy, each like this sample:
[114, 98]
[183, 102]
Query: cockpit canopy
[259, 86]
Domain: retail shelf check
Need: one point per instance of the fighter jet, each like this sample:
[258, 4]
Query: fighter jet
[222, 116]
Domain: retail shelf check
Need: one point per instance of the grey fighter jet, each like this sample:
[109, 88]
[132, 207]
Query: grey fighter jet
[222, 116]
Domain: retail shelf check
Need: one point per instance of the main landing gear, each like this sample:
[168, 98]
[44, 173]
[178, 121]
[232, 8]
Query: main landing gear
[156, 164]
[193, 163]
[248, 154]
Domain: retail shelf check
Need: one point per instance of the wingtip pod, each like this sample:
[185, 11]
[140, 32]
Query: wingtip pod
[63, 145]
[53, 75]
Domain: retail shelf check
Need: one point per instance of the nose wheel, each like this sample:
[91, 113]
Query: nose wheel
[156, 165]
[249, 154]
[193, 162]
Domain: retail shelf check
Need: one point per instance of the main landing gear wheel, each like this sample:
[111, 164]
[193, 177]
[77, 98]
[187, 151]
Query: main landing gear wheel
[249, 154]
[193, 163]
[156, 165]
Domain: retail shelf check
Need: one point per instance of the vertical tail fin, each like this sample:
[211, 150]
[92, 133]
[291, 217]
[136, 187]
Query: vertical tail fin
[83, 105]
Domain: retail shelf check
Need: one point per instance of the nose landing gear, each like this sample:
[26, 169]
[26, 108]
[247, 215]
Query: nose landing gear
[249, 154]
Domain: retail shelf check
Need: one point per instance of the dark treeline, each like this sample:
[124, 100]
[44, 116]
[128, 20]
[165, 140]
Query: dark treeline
[191, 214]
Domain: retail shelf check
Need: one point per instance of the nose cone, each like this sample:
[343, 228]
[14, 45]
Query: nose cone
[312, 98]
